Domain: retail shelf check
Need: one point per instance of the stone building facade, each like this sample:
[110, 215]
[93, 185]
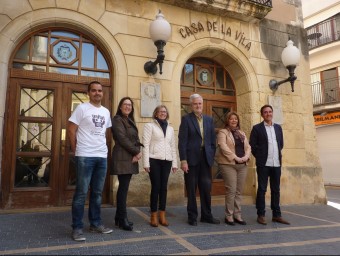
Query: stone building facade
[51, 49]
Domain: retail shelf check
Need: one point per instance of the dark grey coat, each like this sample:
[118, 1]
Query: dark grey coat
[127, 145]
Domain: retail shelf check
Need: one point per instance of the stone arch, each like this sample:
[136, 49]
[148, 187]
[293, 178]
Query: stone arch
[245, 80]
[17, 29]
[20, 27]
[237, 63]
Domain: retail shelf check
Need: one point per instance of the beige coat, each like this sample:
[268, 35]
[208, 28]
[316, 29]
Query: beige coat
[158, 146]
[226, 147]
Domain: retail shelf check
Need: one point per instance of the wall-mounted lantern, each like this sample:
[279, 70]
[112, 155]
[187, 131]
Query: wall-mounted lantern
[160, 32]
[290, 58]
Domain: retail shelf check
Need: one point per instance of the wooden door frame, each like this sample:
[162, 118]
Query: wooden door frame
[9, 152]
[46, 197]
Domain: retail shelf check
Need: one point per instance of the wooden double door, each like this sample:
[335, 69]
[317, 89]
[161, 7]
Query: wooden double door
[38, 167]
[217, 108]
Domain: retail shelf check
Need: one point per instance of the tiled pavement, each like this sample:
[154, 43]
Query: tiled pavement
[315, 230]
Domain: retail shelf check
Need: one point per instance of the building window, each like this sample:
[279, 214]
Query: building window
[64, 52]
[205, 76]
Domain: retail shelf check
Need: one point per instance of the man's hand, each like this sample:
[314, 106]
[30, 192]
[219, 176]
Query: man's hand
[184, 167]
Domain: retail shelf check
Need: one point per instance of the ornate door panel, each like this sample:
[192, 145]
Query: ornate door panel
[30, 150]
[39, 169]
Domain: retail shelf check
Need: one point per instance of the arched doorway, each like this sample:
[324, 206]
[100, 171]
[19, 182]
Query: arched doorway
[214, 83]
[48, 76]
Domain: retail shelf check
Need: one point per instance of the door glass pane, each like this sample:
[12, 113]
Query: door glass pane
[39, 49]
[219, 78]
[67, 48]
[33, 169]
[208, 91]
[101, 62]
[229, 82]
[34, 137]
[218, 115]
[95, 74]
[189, 74]
[187, 88]
[78, 98]
[87, 55]
[67, 71]
[32, 172]
[64, 34]
[225, 92]
[29, 67]
[36, 103]
[23, 52]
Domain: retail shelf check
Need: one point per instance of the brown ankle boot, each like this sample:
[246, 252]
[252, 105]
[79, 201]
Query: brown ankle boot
[162, 219]
[153, 219]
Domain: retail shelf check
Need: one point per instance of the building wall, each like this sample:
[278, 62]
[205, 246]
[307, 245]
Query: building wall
[324, 58]
[122, 28]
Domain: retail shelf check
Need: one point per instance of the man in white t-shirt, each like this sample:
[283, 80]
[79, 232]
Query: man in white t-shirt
[87, 131]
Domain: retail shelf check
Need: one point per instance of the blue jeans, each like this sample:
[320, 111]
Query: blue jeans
[91, 173]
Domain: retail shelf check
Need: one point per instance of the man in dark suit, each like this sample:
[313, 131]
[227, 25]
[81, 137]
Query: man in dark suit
[266, 140]
[197, 146]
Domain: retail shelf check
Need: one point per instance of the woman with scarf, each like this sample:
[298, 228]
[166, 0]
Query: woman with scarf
[159, 158]
[232, 158]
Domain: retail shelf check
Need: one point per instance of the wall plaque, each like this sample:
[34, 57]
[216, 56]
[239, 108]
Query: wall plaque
[150, 98]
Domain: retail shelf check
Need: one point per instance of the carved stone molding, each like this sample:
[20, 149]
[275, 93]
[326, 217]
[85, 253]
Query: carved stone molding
[245, 10]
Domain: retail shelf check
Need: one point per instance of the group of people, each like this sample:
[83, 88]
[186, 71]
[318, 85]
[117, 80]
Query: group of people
[196, 146]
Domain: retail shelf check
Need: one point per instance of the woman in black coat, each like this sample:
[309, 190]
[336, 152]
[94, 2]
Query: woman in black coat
[125, 156]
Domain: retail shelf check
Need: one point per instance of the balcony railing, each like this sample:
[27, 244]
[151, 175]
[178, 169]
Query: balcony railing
[326, 92]
[245, 10]
[263, 2]
[324, 32]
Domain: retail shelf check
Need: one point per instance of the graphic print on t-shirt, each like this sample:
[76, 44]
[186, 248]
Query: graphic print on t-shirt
[98, 120]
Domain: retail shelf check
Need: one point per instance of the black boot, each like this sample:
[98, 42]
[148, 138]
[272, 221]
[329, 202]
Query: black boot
[124, 224]
[117, 221]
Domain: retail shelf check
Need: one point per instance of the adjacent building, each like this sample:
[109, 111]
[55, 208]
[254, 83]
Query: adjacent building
[323, 35]
[227, 51]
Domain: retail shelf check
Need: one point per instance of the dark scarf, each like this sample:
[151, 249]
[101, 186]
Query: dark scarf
[163, 124]
[237, 134]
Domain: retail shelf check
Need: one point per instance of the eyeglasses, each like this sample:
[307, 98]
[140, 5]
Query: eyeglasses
[127, 104]
[162, 111]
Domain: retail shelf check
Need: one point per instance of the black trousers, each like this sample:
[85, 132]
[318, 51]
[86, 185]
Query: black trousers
[159, 175]
[199, 176]
[274, 175]
[124, 182]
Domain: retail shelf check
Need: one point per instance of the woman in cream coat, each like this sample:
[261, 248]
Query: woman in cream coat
[232, 157]
[159, 157]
